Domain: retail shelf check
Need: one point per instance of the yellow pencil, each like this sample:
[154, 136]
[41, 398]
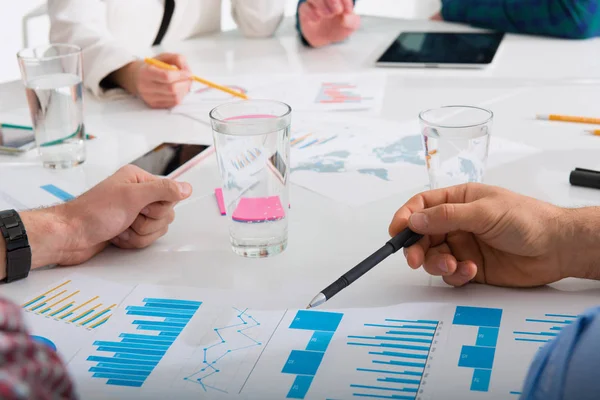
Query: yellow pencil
[567, 118]
[594, 132]
[163, 65]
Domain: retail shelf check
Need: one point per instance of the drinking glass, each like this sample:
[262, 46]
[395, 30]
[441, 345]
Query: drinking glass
[52, 76]
[252, 143]
[456, 141]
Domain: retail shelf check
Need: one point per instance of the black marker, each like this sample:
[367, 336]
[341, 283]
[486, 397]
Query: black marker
[406, 238]
[585, 177]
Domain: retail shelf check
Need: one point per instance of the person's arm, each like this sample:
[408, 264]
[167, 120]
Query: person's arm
[574, 19]
[84, 23]
[28, 369]
[257, 19]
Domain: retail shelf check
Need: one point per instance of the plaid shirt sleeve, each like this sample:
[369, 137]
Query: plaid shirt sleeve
[29, 370]
[573, 19]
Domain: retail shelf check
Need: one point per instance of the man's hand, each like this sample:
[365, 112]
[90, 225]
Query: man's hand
[130, 209]
[489, 235]
[158, 88]
[323, 22]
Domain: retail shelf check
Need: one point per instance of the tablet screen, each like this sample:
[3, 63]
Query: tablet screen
[168, 157]
[443, 48]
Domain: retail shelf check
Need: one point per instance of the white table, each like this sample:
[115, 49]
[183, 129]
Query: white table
[530, 75]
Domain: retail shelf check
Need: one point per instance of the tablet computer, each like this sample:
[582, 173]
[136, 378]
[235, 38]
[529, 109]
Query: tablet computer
[172, 159]
[16, 139]
[442, 50]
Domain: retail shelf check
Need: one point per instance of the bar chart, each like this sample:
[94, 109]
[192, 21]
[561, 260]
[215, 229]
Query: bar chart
[543, 329]
[480, 356]
[309, 139]
[339, 92]
[65, 302]
[305, 363]
[129, 360]
[400, 350]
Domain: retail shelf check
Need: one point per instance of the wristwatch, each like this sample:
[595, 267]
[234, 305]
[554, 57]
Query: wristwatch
[18, 252]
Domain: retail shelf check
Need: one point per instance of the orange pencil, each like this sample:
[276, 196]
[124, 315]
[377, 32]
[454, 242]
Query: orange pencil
[163, 65]
[594, 132]
[567, 118]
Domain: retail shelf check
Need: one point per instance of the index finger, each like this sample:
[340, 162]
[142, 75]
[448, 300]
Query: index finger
[167, 76]
[432, 198]
[348, 6]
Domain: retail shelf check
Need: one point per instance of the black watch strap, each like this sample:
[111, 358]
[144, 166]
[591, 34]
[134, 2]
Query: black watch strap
[18, 252]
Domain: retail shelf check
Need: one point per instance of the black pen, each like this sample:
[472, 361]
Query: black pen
[406, 238]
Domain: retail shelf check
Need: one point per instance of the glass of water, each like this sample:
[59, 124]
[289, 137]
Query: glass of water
[52, 75]
[252, 142]
[456, 140]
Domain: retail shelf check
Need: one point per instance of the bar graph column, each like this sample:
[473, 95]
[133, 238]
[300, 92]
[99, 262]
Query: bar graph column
[480, 357]
[400, 350]
[131, 359]
[305, 363]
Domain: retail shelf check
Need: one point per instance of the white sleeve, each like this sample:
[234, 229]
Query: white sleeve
[83, 23]
[257, 18]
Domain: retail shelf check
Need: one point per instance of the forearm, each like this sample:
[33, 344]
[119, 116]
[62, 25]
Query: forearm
[568, 18]
[48, 235]
[581, 250]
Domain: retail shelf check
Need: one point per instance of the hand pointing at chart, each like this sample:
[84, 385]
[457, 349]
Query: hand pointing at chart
[491, 235]
[323, 22]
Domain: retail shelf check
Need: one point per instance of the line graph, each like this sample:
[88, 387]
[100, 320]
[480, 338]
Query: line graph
[224, 347]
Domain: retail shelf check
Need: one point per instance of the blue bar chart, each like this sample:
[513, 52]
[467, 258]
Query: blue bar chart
[130, 360]
[480, 356]
[399, 349]
[70, 305]
[543, 329]
[305, 363]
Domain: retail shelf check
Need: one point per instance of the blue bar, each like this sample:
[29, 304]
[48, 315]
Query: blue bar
[383, 371]
[149, 337]
[66, 315]
[117, 376]
[59, 310]
[171, 306]
[120, 371]
[481, 380]
[403, 355]
[392, 346]
[119, 382]
[177, 320]
[396, 380]
[174, 311]
[117, 349]
[414, 340]
[487, 337]
[302, 362]
[300, 387]
[477, 316]
[154, 359]
[96, 317]
[429, 328]
[532, 340]
[409, 333]
[154, 314]
[556, 328]
[400, 363]
[319, 341]
[100, 324]
[316, 321]
[121, 361]
[561, 315]
[149, 342]
[380, 388]
[57, 192]
[126, 366]
[548, 321]
[517, 393]
[477, 357]
[83, 315]
[131, 345]
[172, 301]
[170, 334]
[421, 321]
[536, 333]
[38, 306]
[309, 143]
[397, 327]
[158, 329]
[33, 301]
[159, 323]
[45, 311]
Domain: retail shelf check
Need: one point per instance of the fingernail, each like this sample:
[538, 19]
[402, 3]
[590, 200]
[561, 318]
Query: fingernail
[419, 221]
[184, 188]
[124, 236]
[442, 266]
[405, 253]
[145, 211]
[463, 270]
